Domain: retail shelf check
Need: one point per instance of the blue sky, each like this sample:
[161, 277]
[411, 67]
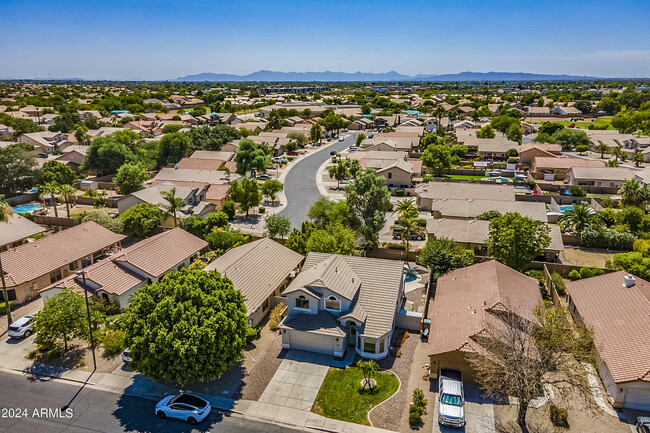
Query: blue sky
[162, 39]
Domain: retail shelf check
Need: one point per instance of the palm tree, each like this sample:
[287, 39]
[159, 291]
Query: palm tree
[602, 148]
[638, 158]
[618, 153]
[406, 225]
[5, 209]
[175, 203]
[577, 219]
[66, 191]
[633, 193]
[50, 189]
[406, 207]
[369, 369]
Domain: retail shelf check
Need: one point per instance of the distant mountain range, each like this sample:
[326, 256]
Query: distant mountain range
[329, 76]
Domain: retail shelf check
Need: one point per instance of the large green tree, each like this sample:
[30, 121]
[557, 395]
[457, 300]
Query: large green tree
[270, 188]
[516, 240]
[173, 148]
[276, 226]
[246, 193]
[250, 157]
[18, 169]
[195, 318]
[442, 255]
[577, 219]
[58, 173]
[130, 178]
[315, 133]
[212, 138]
[106, 155]
[437, 157]
[633, 193]
[62, 318]
[141, 219]
[369, 197]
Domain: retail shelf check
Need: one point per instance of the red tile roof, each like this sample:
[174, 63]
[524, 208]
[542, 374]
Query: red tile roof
[463, 296]
[30, 261]
[619, 317]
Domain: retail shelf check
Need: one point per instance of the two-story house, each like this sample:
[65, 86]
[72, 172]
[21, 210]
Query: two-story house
[340, 302]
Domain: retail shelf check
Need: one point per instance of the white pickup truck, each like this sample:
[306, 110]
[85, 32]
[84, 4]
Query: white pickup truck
[451, 399]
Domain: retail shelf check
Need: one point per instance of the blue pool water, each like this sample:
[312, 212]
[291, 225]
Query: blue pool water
[26, 208]
[410, 277]
[565, 207]
[502, 179]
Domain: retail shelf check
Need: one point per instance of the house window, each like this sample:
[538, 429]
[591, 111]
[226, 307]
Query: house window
[332, 303]
[390, 175]
[369, 345]
[86, 261]
[265, 305]
[55, 276]
[382, 346]
[74, 265]
[302, 302]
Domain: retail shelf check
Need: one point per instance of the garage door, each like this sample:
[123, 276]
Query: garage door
[637, 399]
[311, 342]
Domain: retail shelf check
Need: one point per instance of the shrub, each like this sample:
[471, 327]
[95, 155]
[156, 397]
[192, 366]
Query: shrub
[399, 192]
[576, 191]
[229, 209]
[596, 272]
[538, 274]
[419, 400]
[275, 317]
[262, 209]
[114, 342]
[395, 246]
[251, 334]
[415, 415]
[3, 307]
[609, 239]
[586, 273]
[574, 275]
[642, 245]
[559, 416]
[559, 284]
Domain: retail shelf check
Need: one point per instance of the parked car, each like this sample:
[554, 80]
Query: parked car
[21, 327]
[279, 160]
[451, 399]
[353, 148]
[43, 155]
[126, 355]
[346, 181]
[415, 235]
[187, 407]
[293, 152]
[341, 138]
[332, 152]
[263, 177]
[643, 424]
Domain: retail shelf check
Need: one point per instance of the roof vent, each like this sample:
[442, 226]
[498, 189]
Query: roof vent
[628, 281]
[484, 302]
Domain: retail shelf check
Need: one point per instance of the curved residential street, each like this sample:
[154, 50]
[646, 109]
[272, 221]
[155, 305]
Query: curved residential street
[300, 184]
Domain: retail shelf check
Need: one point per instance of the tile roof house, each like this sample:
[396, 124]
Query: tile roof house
[465, 299]
[472, 234]
[118, 277]
[192, 196]
[340, 301]
[616, 308]
[529, 151]
[35, 265]
[260, 270]
[16, 230]
[468, 209]
[610, 177]
[427, 192]
[551, 168]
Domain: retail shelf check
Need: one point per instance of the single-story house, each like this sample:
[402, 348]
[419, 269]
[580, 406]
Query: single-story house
[118, 277]
[16, 231]
[427, 192]
[191, 196]
[338, 302]
[32, 266]
[572, 112]
[472, 234]
[260, 270]
[465, 301]
[529, 151]
[611, 177]
[468, 209]
[556, 168]
[616, 308]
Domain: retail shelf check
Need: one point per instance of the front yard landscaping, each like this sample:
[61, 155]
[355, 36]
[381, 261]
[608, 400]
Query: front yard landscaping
[342, 397]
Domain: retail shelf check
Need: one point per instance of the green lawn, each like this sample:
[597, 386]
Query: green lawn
[340, 396]
[585, 124]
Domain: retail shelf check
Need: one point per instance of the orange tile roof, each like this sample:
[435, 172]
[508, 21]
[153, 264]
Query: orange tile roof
[619, 317]
[30, 261]
[463, 297]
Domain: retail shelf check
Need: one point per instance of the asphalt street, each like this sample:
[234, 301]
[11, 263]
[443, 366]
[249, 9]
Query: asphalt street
[35, 406]
[300, 184]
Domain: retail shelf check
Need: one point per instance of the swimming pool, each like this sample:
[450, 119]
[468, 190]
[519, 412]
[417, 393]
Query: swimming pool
[496, 179]
[26, 208]
[566, 207]
[410, 277]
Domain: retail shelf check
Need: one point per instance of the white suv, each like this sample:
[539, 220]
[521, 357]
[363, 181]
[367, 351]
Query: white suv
[21, 327]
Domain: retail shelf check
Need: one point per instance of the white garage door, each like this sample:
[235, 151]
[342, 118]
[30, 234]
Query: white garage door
[312, 342]
[637, 399]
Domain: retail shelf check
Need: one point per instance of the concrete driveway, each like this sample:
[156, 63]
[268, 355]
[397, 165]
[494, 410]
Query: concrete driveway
[479, 413]
[297, 380]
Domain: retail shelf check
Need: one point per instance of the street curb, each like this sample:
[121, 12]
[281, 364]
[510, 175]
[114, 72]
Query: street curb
[19, 370]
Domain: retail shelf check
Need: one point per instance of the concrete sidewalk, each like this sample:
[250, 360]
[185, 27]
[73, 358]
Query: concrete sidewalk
[125, 381]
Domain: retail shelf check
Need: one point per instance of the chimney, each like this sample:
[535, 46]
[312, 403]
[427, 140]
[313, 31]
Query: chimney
[628, 281]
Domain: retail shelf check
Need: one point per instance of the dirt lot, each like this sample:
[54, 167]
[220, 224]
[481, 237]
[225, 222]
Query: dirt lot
[582, 419]
[80, 357]
[588, 257]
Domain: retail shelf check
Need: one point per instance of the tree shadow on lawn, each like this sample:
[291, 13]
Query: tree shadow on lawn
[43, 368]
